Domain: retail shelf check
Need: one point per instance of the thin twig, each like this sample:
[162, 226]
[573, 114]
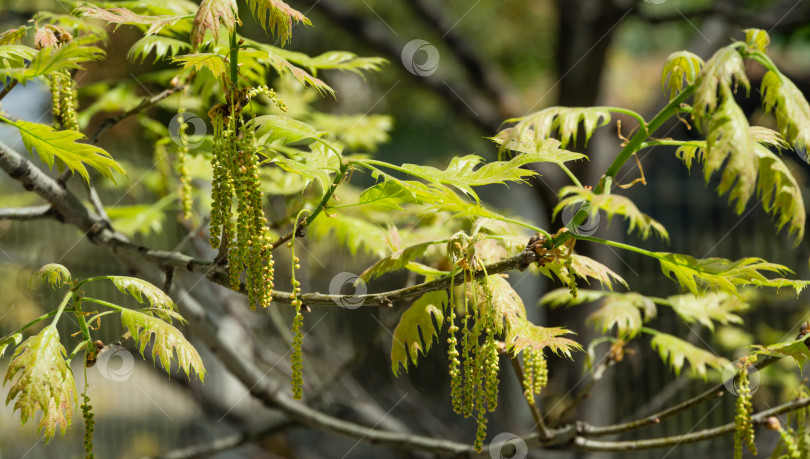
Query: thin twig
[542, 430]
[712, 393]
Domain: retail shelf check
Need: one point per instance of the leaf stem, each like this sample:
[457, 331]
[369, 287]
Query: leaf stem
[104, 303]
[345, 166]
[30, 324]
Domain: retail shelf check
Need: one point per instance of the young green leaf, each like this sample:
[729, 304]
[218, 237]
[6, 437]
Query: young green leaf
[124, 16]
[709, 308]
[47, 60]
[462, 174]
[13, 36]
[562, 297]
[272, 128]
[612, 204]
[10, 340]
[259, 54]
[168, 341]
[583, 268]
[538, 150]
[538, 338]
[750, 159]
[390, 195]
[566, 120]
[139, 288]
[407, 335]
[209, 17]
[757, 40]
[49, 143]
[717, 274]
[790, 108]
[722, 70]
[623, 311]
[395, 261]
[335, 60]
[797, 349]
[42, 381]
[682, 67]
[54, 274]
[164, 47]
[212, 62]
[675, 352]
[517, 332]
[277, 17]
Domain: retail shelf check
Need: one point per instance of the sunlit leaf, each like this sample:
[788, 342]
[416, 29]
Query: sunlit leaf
[681, 68]
[13, 36]
[797, 349]
[583, 268]
[389, 194]
[790, 108]
[757, 39]
[49, 143]
[211, 14]
[10, 340]
[709, 308]
[163, 47]
[276, 17]
[417, 318]
[212, 62]
[42, 381]
[463, 173]
[721, 71]
[676, 352]
[140, 289]
[168, 341]
[717, 274]
[46, 61]
[623, 311]
[54, 274]
[538, 338]
[124, 16]
[565, 120]
[612, 204]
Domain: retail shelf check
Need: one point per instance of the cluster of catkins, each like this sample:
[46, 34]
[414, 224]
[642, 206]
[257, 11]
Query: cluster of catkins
[474, 369]
[65, 100]
[743, 408]
[89, 425]
[182, 171]
[535, 373]
[235, 163]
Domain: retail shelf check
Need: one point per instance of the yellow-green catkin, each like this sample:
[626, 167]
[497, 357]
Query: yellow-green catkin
[89, 422]
[264, 90]
[222, 190]
[535, 374]
[297, 346]
[186, 198]
[235, 164]
[743, 408]
[65, 99]
[456, 394]
[298, 322]
[490, 357]
[791, 446]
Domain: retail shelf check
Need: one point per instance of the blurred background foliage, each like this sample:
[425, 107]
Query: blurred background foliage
[498, 59]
